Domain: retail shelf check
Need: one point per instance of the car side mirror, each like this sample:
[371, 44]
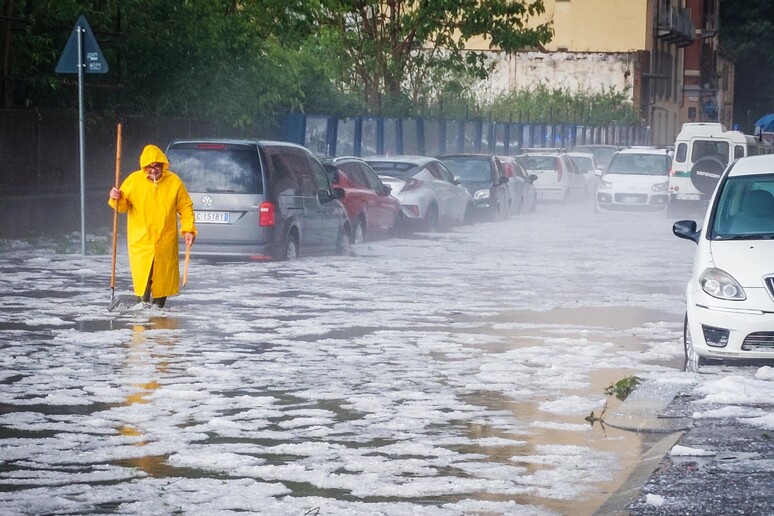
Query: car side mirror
[386, 190]
[686, 229]
[502, 180]
[338, 193]
[532, 178]
[457, 180]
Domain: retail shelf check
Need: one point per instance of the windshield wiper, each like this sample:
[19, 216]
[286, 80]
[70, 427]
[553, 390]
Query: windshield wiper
[753, 236]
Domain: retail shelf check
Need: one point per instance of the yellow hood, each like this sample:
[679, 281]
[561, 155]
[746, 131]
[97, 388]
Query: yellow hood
[152, 154]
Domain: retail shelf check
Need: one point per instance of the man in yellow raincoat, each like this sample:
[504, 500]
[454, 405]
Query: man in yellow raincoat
[152, 198]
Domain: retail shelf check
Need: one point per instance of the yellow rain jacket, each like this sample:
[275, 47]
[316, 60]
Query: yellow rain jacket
[151, 224]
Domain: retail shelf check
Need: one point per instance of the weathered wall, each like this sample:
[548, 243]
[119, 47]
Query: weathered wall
[593, 71]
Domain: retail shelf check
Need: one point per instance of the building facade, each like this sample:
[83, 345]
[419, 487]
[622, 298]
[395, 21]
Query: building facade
[664, 54]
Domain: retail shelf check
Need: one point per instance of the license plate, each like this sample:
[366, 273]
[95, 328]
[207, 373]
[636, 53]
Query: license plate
[688, 197]
[211, 217]
[629, 198]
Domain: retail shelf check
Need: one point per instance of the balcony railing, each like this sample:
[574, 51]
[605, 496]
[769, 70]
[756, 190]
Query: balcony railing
[675, 25]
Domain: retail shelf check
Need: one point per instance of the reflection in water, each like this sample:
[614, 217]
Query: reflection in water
[144, 350]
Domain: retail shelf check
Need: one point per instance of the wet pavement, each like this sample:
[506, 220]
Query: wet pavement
[442, 374]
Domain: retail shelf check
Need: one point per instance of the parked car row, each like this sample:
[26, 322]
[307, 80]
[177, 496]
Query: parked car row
[270, 200]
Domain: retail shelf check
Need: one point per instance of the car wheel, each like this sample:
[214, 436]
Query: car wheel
[692, 360]
[344, 244]
[400, 227]
[358, 235]
[290, 251]
[431, 219]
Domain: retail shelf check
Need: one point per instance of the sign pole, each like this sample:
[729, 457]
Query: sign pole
[81, 140]
[82, 55]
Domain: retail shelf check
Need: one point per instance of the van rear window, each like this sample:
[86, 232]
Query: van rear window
[217, 170]
[704, 148]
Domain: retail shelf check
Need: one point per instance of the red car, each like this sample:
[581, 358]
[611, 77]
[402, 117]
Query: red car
[372, 210]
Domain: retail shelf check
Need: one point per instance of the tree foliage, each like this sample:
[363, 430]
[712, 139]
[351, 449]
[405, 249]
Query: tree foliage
[392, 50]
[746, 31]
[248, 60]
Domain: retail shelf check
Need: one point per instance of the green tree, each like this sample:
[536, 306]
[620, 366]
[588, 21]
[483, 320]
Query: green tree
[394, 49]
[747, 33]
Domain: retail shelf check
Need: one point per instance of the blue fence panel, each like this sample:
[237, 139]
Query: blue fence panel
[346, 138]
[391, 135]
[316, 134]
[471, 137]
[435, 144]
[369, 140]
[367, 136]
[410, 136]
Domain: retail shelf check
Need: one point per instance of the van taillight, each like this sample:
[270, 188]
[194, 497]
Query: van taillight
[266, 214]
[558, 166]
[219, 146]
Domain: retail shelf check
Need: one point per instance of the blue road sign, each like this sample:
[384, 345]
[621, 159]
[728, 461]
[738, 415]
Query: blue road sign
[92, 58]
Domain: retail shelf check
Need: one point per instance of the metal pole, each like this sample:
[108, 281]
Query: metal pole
[81, 151]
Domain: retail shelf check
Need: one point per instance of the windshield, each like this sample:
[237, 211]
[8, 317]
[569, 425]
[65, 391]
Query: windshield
[584, 164]
[469, 169]
[217, 169]
[602, 155]
[639, 164]
[540, 162]
[394, 169]
[745, 209]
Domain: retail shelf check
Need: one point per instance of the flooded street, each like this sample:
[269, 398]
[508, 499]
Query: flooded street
[447, 373]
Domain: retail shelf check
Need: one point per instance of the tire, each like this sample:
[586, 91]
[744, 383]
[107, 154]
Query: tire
[358, 235]
[344, 243]
[400, 227]
[706, 172]
[290, 250]
[431, 220]
[693, 361]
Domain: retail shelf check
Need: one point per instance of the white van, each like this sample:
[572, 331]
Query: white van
[703, 150]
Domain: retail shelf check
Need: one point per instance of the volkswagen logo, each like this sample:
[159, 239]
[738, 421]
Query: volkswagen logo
[206, 201]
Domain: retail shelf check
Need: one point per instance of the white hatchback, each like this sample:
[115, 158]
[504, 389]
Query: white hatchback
[730, 296]
[635, 178]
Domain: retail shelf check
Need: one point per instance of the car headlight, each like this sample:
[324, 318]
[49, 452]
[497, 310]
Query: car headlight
[722, 285]
[660, 187]
[605, 185]
[481, 194]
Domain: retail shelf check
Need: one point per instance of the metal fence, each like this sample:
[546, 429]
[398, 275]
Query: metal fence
[40, 174]
[365, 136]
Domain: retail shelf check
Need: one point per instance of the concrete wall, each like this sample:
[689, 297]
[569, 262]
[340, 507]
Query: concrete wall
[593, 71]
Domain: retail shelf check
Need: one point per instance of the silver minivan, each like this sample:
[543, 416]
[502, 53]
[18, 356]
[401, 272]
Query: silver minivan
[258, 199]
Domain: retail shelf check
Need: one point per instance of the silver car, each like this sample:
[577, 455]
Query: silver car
[429, 194]
[259, 199]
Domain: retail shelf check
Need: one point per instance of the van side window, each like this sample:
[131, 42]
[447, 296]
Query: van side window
[682, 150]
[320, 178]
[739, 151]
[286, 178]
